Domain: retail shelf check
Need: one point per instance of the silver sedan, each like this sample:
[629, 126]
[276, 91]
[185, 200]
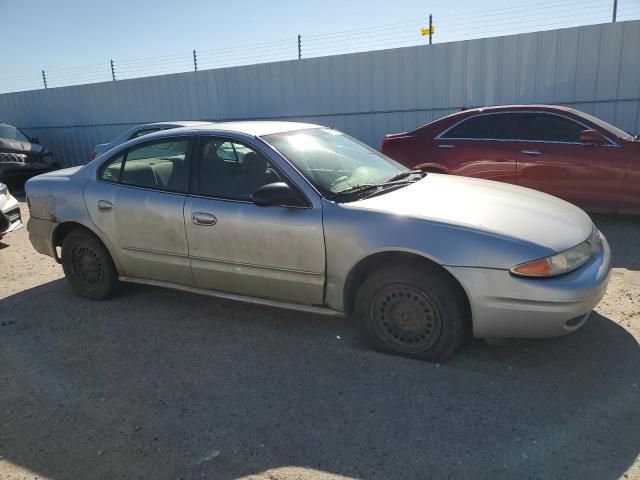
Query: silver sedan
[305, 217]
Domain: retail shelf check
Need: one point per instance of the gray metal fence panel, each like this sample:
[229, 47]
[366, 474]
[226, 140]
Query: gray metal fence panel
[593, 68]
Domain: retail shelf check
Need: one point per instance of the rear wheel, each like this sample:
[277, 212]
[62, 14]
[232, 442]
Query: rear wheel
[88, 266]
[417, 312]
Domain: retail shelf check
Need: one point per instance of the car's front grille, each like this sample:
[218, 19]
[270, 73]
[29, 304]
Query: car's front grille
[13, 157]
[13, 214]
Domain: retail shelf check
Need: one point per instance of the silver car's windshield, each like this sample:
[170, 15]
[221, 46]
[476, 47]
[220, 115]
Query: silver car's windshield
[333, 161]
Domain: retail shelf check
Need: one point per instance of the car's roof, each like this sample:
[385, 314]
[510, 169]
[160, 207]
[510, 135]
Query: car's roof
[179, 123]
[469, 112]
[256, 128]
[2, 124]
[499, 108]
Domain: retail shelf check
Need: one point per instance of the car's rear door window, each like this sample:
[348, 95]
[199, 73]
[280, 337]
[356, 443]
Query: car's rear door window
[546, 127]
[158, 165]
[494, 126]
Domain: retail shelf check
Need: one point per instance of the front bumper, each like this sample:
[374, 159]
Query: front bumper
[506, 306]
[10, 217]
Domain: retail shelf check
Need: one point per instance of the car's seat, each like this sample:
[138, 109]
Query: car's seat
[214, 179]
[175, 175]
[255, 173]
[141, 175]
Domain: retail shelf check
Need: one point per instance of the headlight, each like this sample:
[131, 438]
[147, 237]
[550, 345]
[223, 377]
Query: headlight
[3, 189]
[560, 263]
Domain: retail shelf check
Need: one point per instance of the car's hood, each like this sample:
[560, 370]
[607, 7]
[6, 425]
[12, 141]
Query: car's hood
[7, 202]
[7, 145]
[499, 208]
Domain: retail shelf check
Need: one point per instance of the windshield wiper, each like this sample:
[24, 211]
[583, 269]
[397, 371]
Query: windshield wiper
[363, 187]
[408, 173]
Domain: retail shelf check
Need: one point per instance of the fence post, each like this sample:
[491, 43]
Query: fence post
[430, 28]
[299, 47]
[615, 11]
[44, 79]
[195, 61]
[113, 71]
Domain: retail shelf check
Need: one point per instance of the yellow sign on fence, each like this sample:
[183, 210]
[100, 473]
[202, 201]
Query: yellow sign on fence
[426, 31]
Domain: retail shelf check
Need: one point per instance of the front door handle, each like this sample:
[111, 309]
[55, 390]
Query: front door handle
[531, 152]
[446, 145]
[105, 206]
[200, 218]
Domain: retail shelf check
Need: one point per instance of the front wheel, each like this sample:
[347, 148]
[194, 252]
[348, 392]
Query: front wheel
[88, 266]
[411, 311]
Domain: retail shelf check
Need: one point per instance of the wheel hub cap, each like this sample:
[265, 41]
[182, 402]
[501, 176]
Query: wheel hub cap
[406, 318]
[87, 264]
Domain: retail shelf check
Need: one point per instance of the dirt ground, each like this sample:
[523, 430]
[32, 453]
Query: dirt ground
[163, 384]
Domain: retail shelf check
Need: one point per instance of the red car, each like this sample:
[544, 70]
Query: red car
[554, 149]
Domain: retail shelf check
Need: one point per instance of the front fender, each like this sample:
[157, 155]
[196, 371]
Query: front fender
[354, 234]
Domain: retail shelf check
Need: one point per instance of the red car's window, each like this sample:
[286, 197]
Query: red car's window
[495, 126]
[544, 127]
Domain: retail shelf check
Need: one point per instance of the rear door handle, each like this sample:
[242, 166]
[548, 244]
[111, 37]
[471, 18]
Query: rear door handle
[446, 145]
[200, 218]
[531, 152]
[105, 206]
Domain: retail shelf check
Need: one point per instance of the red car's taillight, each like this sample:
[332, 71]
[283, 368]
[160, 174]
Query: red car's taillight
[93, 155]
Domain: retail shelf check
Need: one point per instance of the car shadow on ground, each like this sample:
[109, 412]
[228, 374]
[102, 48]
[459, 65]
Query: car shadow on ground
[163, 384]
[622, 232]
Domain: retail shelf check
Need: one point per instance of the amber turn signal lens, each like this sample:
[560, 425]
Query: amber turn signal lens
[537, 268]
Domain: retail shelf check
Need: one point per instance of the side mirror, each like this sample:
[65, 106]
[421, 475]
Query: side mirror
[34, 140]
[276, 194]
[592, 137]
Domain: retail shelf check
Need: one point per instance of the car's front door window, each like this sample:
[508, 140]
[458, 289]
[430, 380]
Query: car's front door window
[231, 170]
[544, 127]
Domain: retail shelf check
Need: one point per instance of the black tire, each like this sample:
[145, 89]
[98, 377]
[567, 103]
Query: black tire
[412, 311]
[88, 266]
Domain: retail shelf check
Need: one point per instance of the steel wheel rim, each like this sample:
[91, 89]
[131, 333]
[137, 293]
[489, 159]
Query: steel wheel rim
[87, 264]
[405, 318]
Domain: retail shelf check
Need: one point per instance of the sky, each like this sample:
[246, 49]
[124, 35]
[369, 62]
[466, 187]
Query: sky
[74, 41]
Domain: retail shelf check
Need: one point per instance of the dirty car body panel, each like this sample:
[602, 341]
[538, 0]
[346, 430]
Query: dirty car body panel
[303, 256]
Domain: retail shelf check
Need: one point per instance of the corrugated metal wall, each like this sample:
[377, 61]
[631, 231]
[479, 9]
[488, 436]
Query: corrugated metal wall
[593, 68]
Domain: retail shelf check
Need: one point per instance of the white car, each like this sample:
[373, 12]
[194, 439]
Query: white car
[139, 131]
[10, 218]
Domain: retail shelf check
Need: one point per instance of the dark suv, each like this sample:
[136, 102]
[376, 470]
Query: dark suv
[21, 157]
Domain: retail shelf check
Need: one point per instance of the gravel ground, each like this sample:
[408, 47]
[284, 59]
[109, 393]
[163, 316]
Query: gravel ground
[162, 384]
